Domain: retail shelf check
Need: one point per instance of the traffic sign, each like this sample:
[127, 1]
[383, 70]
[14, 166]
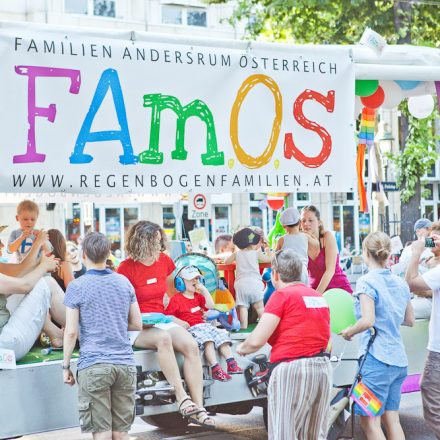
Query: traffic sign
[199, 207]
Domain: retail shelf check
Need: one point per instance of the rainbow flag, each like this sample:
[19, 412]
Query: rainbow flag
[365, 398]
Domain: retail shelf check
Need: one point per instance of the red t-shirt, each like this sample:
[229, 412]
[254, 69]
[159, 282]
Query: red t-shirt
[186, 309]
[304, 328]
[149, 282]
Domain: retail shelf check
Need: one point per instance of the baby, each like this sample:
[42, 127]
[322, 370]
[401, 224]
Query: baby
[190, 305]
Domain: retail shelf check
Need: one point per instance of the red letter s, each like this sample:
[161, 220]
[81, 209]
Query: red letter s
[289, 146]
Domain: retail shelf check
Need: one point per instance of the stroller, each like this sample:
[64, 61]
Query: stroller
[341, 409]
[225, 311]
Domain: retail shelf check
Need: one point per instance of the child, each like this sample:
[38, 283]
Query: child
[20, 241]
[296, 240]
[248, 283]
[189, 305]
[382, 301]
[223, 247]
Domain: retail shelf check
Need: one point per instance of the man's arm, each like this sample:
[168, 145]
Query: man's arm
[262, 332]
[70, 336]
[29, 262]
[10, 285]
[415, 281]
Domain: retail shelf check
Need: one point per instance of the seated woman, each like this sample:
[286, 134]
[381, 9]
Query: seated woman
[325, 272]
[20, 328]
[64, 274]
[296, 323]
[150, 271]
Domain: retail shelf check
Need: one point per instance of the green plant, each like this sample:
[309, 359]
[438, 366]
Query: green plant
[418, 155]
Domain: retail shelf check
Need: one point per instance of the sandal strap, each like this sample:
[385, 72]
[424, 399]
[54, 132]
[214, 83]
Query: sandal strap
[185, 399]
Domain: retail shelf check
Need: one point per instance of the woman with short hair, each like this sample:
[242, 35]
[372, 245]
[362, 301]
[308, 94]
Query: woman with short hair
[296, 323]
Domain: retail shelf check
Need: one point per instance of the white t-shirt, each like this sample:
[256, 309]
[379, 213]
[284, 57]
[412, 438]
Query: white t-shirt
[432, 279]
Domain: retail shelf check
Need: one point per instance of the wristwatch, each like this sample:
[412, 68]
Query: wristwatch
[66, 367]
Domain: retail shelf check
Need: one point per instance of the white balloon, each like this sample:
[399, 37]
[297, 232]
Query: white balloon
[421, 106]
[357, 107]
[393, 94]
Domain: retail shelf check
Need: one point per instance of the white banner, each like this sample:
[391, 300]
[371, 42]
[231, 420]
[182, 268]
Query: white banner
[89, 112]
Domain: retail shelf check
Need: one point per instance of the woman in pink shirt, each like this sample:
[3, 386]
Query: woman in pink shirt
[324, 269]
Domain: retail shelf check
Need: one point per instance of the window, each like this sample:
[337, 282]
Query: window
[302, 197]
[431, 171]
[428, 191]
[181, 15]
[104, 8]
[196, 17]
[256, 217]
[100, 8]
[172, 14]
[76, 6]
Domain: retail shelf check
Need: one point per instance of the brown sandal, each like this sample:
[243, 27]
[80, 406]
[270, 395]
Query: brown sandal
[187, 407]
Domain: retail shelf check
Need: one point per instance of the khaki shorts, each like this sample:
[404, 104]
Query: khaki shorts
[106, 397]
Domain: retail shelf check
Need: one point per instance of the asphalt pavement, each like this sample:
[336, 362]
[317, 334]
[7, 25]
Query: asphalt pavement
[249, 426]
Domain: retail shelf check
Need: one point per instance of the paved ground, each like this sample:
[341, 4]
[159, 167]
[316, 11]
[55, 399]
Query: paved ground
[249, 426]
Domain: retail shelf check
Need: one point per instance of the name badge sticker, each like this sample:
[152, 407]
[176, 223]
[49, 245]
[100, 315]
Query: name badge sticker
[195, 309]
[152, 281]
[315, 302]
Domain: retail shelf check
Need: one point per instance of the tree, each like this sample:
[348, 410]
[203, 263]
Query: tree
[343, 22]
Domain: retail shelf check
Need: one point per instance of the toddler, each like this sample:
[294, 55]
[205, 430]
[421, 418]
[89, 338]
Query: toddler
[189, 305]
[296, 240]
[20, 241]
[248, 285]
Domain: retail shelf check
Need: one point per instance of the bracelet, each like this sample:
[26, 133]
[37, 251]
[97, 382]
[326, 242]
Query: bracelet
[66, 367]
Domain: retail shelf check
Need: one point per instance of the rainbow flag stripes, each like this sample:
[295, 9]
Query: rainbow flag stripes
[365, 398]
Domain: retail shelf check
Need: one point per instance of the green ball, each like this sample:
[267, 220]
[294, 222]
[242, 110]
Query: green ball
[366, 87]
[341, 307]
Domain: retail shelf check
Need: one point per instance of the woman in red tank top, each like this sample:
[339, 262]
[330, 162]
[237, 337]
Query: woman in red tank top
[324, 269]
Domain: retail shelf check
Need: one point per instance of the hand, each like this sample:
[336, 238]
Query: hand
[436, 238]
[346, 334]
[418, 246]
[68, 377]
[41, 237]
[50, 263]
[25, 234]
[201, 288]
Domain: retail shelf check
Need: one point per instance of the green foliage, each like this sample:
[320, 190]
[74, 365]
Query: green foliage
[419, 154]
[337, 21]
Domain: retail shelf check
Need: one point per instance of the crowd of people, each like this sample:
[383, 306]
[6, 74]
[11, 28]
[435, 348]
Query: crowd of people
[70, 291]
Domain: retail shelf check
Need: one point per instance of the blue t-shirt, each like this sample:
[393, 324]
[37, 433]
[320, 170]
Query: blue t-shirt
[391, 296]
[25, 246]
[103, 298]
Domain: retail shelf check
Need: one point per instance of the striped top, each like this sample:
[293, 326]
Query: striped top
[103, 298]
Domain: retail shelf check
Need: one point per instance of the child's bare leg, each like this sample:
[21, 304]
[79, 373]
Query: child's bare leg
[225, 350]
[243, 316]
[210, 355]
[259, 308]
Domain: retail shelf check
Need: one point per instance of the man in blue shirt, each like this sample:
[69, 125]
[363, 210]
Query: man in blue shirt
[101, 307]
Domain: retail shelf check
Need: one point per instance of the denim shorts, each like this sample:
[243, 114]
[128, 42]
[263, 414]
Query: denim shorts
[385, 381]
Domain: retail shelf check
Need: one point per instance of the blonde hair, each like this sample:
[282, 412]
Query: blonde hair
[378, 245]
[142, 241]
[28, 205]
